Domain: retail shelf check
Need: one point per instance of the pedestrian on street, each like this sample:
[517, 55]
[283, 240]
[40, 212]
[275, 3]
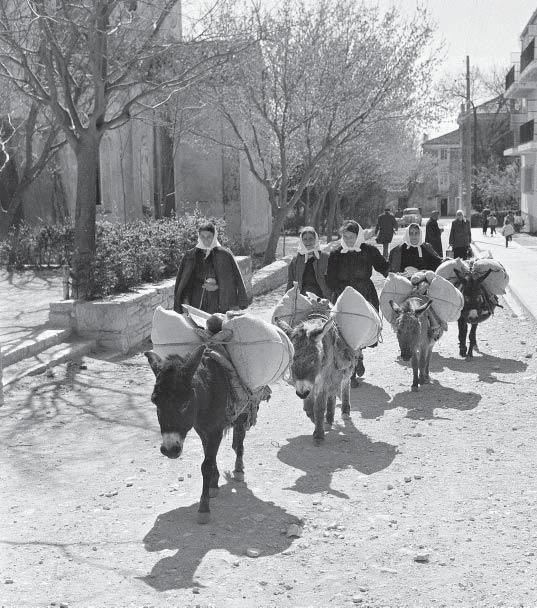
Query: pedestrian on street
[493, 222]
[351, 263]
[309, 266]
[433, 233]
[460, 236]
[208, 277]
[385, 229]
[518, 222]
[508, 227]
[485, 219]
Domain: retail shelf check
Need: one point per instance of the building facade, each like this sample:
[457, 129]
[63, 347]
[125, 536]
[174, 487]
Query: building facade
[521, 87]
[441, 174]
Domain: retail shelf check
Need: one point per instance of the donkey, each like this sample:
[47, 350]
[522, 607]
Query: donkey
[322, 367]
[194, 392]
[415, 336]
[478, 307]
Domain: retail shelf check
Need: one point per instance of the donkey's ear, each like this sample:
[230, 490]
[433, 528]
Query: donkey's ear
[191, 364]
[422, 309]
[319, 334]
[395, 307]
[155, 361]
[459, 276]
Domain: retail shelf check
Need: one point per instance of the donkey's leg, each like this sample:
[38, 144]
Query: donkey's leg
[309, 403]
[330, 408]
[239, 431]
[346, 399]
[415, 371]
[319, 409]
[207, 469]
[463, 329]
[472, 340]
[424, 364]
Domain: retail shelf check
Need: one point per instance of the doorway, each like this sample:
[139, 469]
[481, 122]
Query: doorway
[443, 206]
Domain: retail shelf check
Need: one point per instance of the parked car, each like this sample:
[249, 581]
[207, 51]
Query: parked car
[411, 215]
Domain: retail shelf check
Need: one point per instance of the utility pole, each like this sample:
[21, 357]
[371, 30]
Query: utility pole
[466, 138]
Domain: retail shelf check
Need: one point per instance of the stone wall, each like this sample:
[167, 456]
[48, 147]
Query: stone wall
[122, 322]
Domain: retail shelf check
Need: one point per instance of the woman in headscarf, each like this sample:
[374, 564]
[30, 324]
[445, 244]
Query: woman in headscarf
[413, 253]
[208, 277]
[309, 266]
[351, 263]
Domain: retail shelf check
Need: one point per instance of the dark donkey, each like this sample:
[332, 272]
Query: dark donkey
[478, 306]
[321, 369]
[415, 336]
[196, 392]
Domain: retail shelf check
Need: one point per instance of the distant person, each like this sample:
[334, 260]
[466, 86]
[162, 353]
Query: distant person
[460, 236]
[485, 219]
[518, 222]
[433, 233]
[493, 222]
[385, 229]
[508, 227]
[208, 277]
[309, 266]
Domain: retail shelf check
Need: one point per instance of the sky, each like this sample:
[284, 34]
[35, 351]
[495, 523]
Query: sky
[486, 30]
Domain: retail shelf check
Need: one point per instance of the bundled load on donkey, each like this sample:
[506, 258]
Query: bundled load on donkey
[358, 322]
[259, 351]
[295, 307]
[446, 300]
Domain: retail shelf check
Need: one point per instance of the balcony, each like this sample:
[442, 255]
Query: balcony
[521, 141]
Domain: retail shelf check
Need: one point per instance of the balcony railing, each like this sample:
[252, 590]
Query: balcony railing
[508, 140]
[510, 78]
[528, 55]
[526, 132]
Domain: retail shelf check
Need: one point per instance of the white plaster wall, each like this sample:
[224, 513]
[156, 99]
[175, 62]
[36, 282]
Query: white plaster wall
[256, 214]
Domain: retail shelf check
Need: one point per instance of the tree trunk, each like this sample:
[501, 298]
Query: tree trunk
[87, 158]
[278, 220]
[333, 199]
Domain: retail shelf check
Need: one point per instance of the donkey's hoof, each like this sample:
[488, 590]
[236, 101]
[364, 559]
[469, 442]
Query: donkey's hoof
[345, 416]
[414, 389]
[238, 475]
[204, 518]
[213, 492]
[317, 441]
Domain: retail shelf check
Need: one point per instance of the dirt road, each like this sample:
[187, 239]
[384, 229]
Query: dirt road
[421, 500]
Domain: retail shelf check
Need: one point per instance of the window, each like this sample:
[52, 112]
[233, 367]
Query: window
[443, 179]
[443, 153]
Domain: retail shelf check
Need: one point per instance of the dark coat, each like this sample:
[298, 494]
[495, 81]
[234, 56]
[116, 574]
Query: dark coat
[430, 260]
[461, 234]
[320, 267]
[386, 226]
[354, 269]
[433, 235]
[231, 289]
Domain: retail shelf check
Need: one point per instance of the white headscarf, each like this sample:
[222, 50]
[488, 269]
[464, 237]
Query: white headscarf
[357, 243]
[302, 248]
[214, 243]
[406, 239]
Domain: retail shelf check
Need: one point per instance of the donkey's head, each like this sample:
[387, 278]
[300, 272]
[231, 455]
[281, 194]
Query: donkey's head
[174, 397]
[307, 338]
[477, 307]
[407, 325]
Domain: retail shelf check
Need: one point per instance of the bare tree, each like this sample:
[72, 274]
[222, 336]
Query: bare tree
[96, 64]
[323, 75]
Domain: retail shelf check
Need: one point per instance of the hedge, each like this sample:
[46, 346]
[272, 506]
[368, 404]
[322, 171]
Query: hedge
[126, 255]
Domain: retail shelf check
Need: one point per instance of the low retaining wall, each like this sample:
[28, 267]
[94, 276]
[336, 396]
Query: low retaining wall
[122, 322]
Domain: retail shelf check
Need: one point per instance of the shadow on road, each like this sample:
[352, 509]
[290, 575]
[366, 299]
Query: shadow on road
[344, 446]
[372, 401]
[481, 364]
[239, 521]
